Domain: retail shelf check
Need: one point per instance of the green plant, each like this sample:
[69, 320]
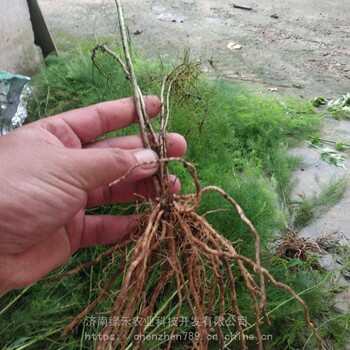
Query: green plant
[242, 135]
[337, 108]
[309, 209]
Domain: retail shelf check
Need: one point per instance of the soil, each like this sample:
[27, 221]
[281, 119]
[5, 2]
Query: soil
[299, 47]
[296, 47]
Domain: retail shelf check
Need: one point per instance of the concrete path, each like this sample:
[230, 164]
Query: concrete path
[302, 47]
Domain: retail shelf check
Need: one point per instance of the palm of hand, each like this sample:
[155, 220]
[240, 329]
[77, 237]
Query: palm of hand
[56, 171]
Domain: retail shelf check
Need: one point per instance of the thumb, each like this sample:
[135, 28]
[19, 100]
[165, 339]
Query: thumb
[99, 167]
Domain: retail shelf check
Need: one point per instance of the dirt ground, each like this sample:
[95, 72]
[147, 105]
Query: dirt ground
[299, 47]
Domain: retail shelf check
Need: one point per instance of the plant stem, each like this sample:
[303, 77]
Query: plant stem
[147, 133]
[14, 300]
[140, 107]
[334, 142]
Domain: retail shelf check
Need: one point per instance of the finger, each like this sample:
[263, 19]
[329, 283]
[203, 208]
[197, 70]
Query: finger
[93, 168]
[176, 143]
[91, 122]
[107, 229]
[127, 192]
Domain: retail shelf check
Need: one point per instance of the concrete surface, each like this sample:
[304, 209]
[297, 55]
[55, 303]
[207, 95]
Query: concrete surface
[19, 54]
[305, 51]
[314, 174]
[334, 225]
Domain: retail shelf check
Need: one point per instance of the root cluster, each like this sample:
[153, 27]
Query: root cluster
[197, 262]
[294, 247]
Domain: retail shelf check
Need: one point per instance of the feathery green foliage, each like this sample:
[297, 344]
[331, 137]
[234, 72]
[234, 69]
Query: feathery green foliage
[237, 139]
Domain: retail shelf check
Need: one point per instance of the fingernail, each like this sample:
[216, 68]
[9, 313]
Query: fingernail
[147, 156]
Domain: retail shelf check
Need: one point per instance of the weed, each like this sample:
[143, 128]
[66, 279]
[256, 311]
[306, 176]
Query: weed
[337, 108]
[310, 209]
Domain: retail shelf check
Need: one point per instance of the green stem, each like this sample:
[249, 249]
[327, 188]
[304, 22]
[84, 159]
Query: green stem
[279, 306]
[334, 142]
[322, 324]
[35, 340]
[14, 300]
[156, 315]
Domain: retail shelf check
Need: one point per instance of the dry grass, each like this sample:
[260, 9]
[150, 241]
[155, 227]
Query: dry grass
[294, 247]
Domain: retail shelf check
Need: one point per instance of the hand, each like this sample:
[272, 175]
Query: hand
[53, 169]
